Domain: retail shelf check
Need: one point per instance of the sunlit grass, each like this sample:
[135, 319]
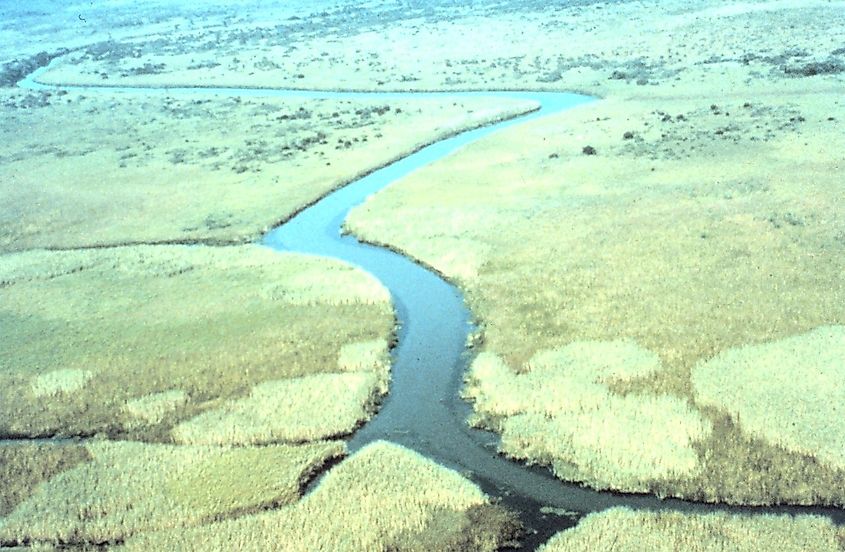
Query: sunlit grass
[151, 409]
[134, 340]
[560, 412]
[382, 497]
[57, 382]
[625, 530]
[289, 410]
[649, 240]
[788, 392]
[124, 488]
[25, 466]
[197, 168]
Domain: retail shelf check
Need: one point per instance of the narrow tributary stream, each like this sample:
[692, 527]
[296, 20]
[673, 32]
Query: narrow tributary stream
[423, 410]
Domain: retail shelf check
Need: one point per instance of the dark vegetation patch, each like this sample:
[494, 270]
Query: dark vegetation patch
[792, 62]
[830, 66]
[12, 72]
[24, 466]
[146, 69]
[31, 100]
[637, 70]
[672, 135]
[741, 469]
[482, 527]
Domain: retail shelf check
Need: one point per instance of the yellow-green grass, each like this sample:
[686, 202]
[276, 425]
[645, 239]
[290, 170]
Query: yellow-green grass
[120, 489]
[709, 219]
[688, 260]
[625, 530]
[384, 497]
[92, 169]
[289, 410]
[789, 392]
[132, 341]
[561, 412]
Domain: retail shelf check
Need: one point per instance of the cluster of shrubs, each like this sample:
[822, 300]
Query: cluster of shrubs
[12, 72]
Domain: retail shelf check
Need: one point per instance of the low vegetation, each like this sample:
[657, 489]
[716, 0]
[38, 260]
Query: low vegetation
[133, 342]
[129, 169]
[384, 497]
[289, 410]
[624, 530]
[787, 392]
[560, 411]
[107, 491]
[638, 256]
[651, 241]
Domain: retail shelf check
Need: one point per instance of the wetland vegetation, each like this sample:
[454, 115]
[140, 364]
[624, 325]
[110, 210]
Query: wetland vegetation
[656, 276]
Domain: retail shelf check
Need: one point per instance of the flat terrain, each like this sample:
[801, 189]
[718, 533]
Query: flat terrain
[207, 378]
[192, 168]
[695, 212]
[657, 276]
[628, 531]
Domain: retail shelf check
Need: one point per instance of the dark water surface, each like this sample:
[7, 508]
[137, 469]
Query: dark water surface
[423, 410]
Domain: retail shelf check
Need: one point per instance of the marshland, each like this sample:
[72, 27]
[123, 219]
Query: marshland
[617, 324]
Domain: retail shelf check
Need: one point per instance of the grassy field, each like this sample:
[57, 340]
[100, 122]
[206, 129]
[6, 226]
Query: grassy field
[624, 530]
[109, 490]
[145, 342]
[171, 354]
[561, 412]
[384, 497]
[112, 169]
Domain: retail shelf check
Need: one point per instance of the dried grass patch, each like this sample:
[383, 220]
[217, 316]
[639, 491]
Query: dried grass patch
[625, 530]
[377, 499]
[125, 488]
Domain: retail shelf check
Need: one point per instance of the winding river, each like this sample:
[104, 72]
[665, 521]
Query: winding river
[423, 410]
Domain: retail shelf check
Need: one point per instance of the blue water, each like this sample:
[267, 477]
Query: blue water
[423, 410]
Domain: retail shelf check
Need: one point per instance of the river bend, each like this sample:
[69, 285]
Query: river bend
[423, 410]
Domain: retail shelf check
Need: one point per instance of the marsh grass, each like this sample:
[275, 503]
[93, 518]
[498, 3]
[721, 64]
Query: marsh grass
[625, 530]
[649, 241]
[738, 468]
[108, 491]
[383, 497]
[300, 409]
[151, 409]
[150, 336]
[195, 169]
[560, 412]
[786, 392]
[58, 382]
[23, 467]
